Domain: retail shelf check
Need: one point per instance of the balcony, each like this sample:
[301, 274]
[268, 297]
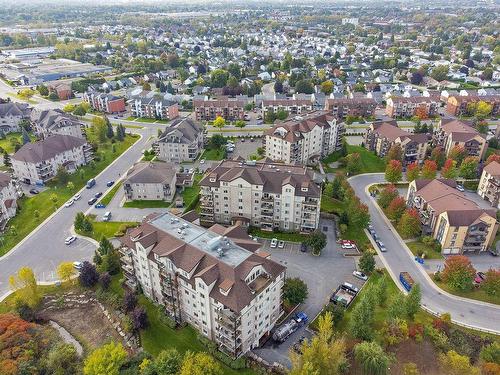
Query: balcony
[267, 198]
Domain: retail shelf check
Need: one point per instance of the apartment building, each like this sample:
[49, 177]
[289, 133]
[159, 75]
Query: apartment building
[450, 133]
[8, 198]
[182, 141]
[489, 184]
[457, 105]
[103, 102]
[55, 121]
[403, 107]
[156, 107]
[304, 139]
[261, 194]
[11, 114]
[210, 109]
[457, 223]
[356, 107]
[216, 279]
[150, 181]
[36, 163]
[290, 105]
[61, 89]
[382, 135]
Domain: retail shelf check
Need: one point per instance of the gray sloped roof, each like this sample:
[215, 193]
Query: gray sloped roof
[48, 148]
[151, 173]
[185, 130]
[14, 109]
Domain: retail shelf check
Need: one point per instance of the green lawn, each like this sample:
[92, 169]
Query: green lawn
[31, 101]
[191, 193]
[25, 220]
[109, 196]
[105, 228]
[147, 204]
[147, 120]
[213, 154]
[370, 162]
[131, 118]
[291, 237]
[474, 293]
[418, 248]
[10, 140]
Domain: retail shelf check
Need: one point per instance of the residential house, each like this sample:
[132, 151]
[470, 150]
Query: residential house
[216, 279]
[266, 195]
[103, 102]
[48, 122]
[450, 133]
[150, 181]
[406, 107]
[228, 109]
[489, 184]
[11, 114]
[8, 198]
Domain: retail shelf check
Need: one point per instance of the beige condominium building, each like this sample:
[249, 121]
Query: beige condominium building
[266, 195]
[150, 181]
[457, 223]
[304, 139]
[8, 198]
[54, 121]
[489, 184]
[216, 279]
[452, 132]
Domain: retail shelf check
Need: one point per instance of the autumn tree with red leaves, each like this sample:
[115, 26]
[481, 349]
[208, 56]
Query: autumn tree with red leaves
[458, 272]
[412, 172]
[394, 171]
[409, 225]
[429, 169]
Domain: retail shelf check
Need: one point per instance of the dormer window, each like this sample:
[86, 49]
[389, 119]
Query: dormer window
[304, 189]
[212, 179]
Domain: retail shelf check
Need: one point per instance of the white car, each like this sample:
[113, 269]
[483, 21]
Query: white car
[202, 161]
[69, 203]
[77, 196]
[360, 275]
[70, 240]
[281, 244]
[460, 188]
[348, 246]
[78, 265]
[274, 243]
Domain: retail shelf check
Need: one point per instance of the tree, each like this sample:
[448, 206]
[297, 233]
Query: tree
[372, 358]
[468, 168]
[43, 90]
[317, 241]
[105, 280]
[361, 322]
[367, 262]
[396, 209]
[168, 362]
[396, 309]
[304, 86]
[79, 111]
[429, 169]
[88, 275]
[63, 360]
[105, 246]
[294, 291]
[394, 153]
[25, 136]
[26, 93]
[380, 291]
[453, 363]
[438, 156]
[458, 272]
[105, 360]
[483, 110]
[25, 286]
[109, 130]
[218, 78]
[412, 303]
[416, 78]
[412, 172]
[409, 225]
[492, 158]
[387, 195]
[6, 159]
[410, 368]
[491, 353]
[140, 318]
[458, 154]
[79, 221]
[353, 163]
[240, 124]
[449, 169]
[491, 284]
[129, 301]
[358, 213]
[65, 271]
[394, 171]
[219, 122]
[62, 176]
[440, 72]
[323, 354]
[327, 87]
[199, 364]
[111, 262]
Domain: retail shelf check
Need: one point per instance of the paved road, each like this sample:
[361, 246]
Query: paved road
[463, 311]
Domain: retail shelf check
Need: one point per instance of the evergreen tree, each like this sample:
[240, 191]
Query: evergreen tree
[109, 131]
[26, 137]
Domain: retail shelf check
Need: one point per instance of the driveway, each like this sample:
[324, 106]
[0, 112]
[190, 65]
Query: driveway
[398, 258]
[321, 274]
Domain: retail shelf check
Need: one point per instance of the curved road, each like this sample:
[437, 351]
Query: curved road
[474, 314]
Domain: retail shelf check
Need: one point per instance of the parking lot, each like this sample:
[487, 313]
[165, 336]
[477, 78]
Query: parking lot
[322, 275]
[245, 147]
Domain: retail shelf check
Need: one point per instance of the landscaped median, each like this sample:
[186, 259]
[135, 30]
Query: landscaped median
[110, 194]
[32, 211]
[282, 236]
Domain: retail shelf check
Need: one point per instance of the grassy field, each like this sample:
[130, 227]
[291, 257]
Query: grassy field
[213, 154]
[105, 228]
[27, 219]
[190, 193]
[146, 120]
[291, 237]
[418, 248]
[370, 162]
[147, 204]
[474, 293]
[16, 96]
[10, 140]
[109, 196]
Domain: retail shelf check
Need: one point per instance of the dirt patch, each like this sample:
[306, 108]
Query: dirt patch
[423, 354]
[86, 322]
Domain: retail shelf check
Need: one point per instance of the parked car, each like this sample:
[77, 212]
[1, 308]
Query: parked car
[360, 275]
[34, 191]
[460, 188]
[281, 244]
[100, 205]
[77, 265]
[110, 183]
[90, 183]
[70, 240]
[303, 248]
[77, 196]
[106, 216]
[348, 245]
[381, 246]
[98, 195]
[202, 161]
[274, 243]
[69, 203]
[92, 201]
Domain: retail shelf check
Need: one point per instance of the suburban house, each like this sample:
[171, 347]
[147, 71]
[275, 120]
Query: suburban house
[183, 140]
[457, 223]
[38, 162]
[489, 184]
[355, 107]
[262, 194]
[216, 279]
[403, 107]
[61, 89]
[450, 133]
[290, 105]
[153, 106]
[210, 109]
[457, 105]
[8, 199]
[150, 181]
[11, 114]
[382, 135]
[104, 102]
[54, 121]
[304, 139]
